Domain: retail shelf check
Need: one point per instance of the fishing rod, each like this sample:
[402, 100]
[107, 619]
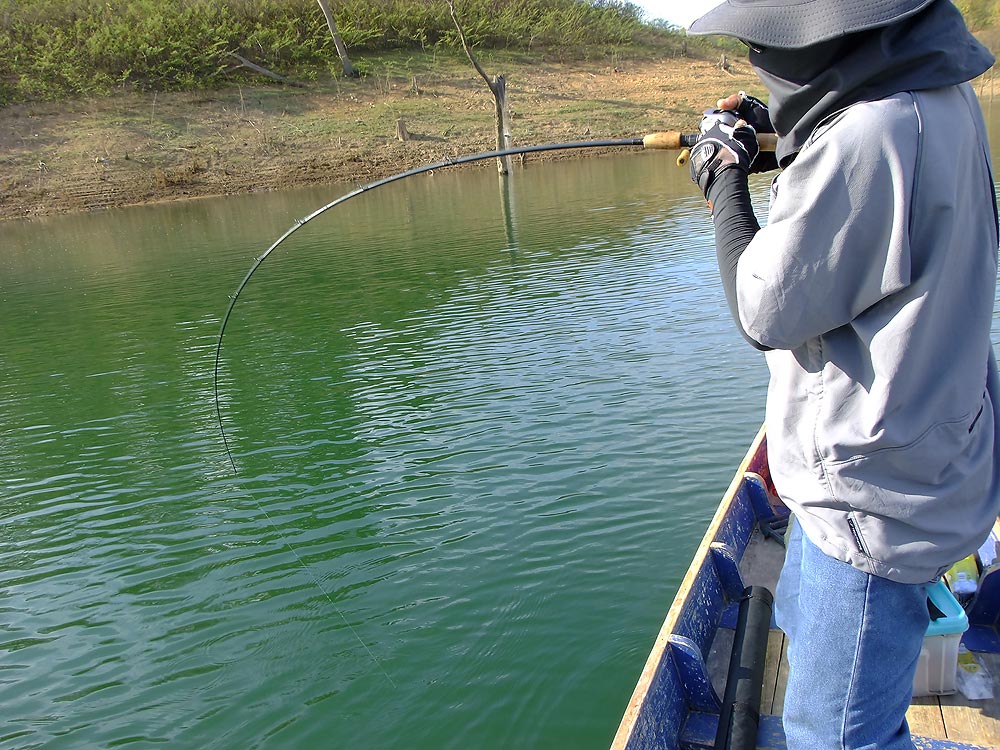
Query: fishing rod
[668, 140]
[660, 141]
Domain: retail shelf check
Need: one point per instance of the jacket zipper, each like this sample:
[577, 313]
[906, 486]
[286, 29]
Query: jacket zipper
[978, 415]
[862, 548]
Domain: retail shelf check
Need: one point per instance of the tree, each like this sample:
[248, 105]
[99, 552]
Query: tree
[498, 87]
[349, 70]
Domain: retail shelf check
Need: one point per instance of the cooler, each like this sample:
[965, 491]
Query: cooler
[936, 670]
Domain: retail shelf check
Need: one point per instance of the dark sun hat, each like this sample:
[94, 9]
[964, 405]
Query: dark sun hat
[801, 23]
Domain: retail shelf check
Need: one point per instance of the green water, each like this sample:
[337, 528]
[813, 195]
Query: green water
[476, 448]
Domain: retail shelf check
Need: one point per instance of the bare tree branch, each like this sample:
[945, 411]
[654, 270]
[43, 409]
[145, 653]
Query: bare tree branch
[265, 72]
[466, 46]
[349, 70]
[498, 87]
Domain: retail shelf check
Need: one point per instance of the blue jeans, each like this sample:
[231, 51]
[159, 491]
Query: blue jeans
[854, 641]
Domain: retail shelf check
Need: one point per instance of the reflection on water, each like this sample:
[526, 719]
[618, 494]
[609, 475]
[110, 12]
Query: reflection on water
[478, 437]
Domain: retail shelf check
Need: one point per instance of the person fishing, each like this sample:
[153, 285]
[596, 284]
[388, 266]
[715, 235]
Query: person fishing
[871, 292]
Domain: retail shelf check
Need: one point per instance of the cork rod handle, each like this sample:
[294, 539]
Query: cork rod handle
[674, 141]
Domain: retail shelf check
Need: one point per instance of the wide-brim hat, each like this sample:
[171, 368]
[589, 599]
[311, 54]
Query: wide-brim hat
[801, 23]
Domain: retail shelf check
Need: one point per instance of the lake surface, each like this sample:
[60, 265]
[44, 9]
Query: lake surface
[477, 439]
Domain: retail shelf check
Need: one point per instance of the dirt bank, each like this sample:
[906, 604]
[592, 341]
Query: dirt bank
[140, 148]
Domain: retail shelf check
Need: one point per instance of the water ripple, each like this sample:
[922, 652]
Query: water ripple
[474, 451]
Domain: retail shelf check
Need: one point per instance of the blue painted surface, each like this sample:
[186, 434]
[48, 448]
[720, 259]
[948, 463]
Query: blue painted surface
[681, 709]
[731, 615]
[982, 638]
[693, 675]
[703, 607]
[699, 732]
[982, 633]
[663, 711]
[739, 522]
[759, 497]
[727, 568]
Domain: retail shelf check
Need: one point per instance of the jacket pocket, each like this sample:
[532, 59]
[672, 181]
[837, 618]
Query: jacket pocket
[859, 540]
[924, 462]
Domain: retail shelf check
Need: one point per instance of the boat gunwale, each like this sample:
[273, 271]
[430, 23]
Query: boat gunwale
[670, 623]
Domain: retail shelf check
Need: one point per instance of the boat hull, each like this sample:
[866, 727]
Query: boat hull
[676, 703]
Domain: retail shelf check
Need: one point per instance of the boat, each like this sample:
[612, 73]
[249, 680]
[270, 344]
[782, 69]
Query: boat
[717, 671]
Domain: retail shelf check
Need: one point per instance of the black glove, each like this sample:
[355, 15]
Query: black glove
[721, 146]
[755, 112]
[757, 115]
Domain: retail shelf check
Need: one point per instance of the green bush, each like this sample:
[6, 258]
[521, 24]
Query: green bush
[56, 48]
[979, 14]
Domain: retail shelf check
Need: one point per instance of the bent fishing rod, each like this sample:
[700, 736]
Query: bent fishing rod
[670, 140]
[661, 141]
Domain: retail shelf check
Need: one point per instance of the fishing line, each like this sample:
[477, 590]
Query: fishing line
[315, 580]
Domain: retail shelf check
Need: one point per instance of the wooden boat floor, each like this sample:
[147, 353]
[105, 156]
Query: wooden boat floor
[947, 717]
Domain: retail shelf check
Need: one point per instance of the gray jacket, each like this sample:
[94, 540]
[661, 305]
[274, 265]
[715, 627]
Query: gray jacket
[874, 282]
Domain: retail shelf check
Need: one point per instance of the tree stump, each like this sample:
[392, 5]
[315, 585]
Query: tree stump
[402, 134]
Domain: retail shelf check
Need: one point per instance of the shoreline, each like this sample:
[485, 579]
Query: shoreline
[136, 148]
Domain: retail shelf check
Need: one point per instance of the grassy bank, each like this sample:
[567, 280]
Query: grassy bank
[118, 103]
[109, 103]
[51, 49]
[137, 147]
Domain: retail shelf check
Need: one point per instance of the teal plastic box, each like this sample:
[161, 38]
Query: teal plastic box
[938, 665]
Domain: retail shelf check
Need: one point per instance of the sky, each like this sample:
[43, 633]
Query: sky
[677, 12]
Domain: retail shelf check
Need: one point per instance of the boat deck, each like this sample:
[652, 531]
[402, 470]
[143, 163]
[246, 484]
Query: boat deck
[946, 717]
[956, 718]
[953, 718]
